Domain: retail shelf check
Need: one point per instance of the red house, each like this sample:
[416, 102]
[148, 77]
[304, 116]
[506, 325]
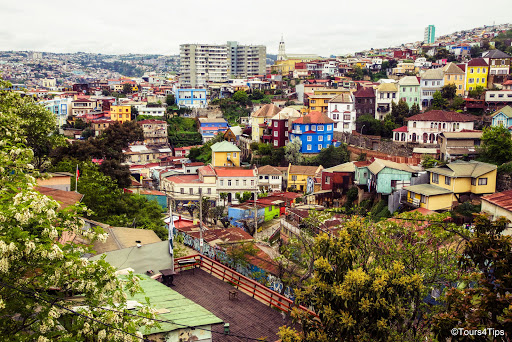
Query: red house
[336, 181]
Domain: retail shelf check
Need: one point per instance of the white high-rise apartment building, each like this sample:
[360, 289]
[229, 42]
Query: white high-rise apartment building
[201, 64]
[430, 34]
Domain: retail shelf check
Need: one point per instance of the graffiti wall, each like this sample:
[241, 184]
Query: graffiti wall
[251, 271]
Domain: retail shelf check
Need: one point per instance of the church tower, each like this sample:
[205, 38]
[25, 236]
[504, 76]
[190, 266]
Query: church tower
[281, 55]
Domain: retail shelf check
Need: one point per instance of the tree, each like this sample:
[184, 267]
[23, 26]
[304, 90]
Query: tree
[415, 109]
[457, 103]
[292, 152]
[370, 281]
[36, 124]
[127, 88]
[40, 268]
[476, 51]
[399, 111]
[371, 125]
[257, 95]
[332, 156]
[449, 91]
[487, 265]
[356, 74]
[477, 92]
[135, 113]
[244, 197]
[496, 145]
[223, 196]
[241, 97]
[170, 100]
[438, 102]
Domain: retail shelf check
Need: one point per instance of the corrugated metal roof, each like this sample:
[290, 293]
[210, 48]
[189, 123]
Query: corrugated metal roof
[427, 189]
[379, 164]
[174, 307]
[501, 199]
[464, 169]
[462, 135]
[346, 167]
[507, 110]
[224, 146]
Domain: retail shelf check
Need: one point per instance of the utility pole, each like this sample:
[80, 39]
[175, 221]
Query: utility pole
[200, 220]
[171, 231]
[255, 213]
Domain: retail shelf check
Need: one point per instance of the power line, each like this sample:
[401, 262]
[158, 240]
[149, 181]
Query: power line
[117, 311]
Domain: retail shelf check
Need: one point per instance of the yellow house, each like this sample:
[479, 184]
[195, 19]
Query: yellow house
[260, 120]
[476, 73]
[225, 154]
[298, 176]
[455, 75]
[319, 102]
[284, 67]
[449, 182]
[121, 113]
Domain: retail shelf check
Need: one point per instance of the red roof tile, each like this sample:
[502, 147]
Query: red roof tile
[184, 179]
[444, 116]
[65, 198]
[314, 117]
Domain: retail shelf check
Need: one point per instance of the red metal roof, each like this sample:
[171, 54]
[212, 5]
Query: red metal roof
[314, 117]
[234, 172]
[477, 62]
[441, 115]
[401, 129]
[501, 199]
[365, 92]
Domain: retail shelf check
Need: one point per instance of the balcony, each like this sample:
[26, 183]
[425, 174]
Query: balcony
[297, 131]
[415, 202]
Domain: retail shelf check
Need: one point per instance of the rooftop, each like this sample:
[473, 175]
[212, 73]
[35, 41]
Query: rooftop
[477, 62]
[268, 170]
[120, 237]
[303, 170]
[184, 179]
[507, 110]
[314, 117]
[234, 172]
[470, 168]
[365, 92]
[346, 167]
[224, 146]
[246, 315]
[501, 199]
[443, 116]
[427, 189]
[495, 54]
[267, 111]
[65, 198]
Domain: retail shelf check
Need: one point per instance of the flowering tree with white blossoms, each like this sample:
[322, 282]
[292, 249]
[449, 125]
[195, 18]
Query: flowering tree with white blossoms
[48, 292]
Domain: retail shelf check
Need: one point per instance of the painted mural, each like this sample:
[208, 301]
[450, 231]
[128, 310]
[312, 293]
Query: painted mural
[251, 271]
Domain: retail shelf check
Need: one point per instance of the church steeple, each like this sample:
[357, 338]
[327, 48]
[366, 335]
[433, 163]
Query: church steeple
[281, 55]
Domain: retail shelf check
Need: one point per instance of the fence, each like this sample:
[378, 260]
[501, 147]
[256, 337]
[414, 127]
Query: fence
[241, 282]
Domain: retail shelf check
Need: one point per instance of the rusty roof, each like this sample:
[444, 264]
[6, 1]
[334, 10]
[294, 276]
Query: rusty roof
[500, 199]
[65, 198]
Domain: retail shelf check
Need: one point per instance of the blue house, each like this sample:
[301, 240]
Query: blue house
[190, 98]
[238, 213]
[209, 128]
[315, 131]
[503, 117]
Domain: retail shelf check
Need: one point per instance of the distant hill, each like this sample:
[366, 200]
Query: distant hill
[271, 58]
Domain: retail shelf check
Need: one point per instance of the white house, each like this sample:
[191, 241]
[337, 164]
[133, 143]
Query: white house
[233, 180]
[425, 127]
[269, 178]
[341, 110]
[387, 93]
[432, 80]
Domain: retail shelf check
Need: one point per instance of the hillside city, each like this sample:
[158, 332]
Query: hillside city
[232, 194]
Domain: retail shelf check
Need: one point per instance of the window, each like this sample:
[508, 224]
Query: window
[276, 143]
[329, 127]
[319, 147]
[209, 191]
[435, 178]
[191, 191]
[327, 180]
[286, 134]
[294, 178]
[252, 182]
[310, 138]
[275, 123]
[482, 181]
[447, 180]
[275, 134]
[309, 147]
[306, 128]
[236, 182]
[483, 80]
[414, 124]
[313, 127]
[182, 190]
[320, 138]
[320, 128]
[346, 117]
[423, 199]
[328, 138]
[245, 182]
[473, 181]
[234, 154]
[229, 182]
[471, 80]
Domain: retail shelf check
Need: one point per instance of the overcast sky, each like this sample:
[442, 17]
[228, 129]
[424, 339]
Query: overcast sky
[160, 26]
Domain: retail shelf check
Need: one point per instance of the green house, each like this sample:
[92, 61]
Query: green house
[386, 176]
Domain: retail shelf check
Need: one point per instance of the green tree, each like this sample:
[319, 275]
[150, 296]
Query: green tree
[371, 125]
[496, 145]
[356, 74]
[457, 103]
[127, 88]
[257, 94]
[37, 124]
[241, 97]
[477, 92]
[224, 197]
[332, 156]
[40, 268]
[439, 102]
[292, 152]
[244, 197]
[487, 266]
[476, 51]
[399, 111]
[370, 280]
[415, 109]
[169, 100]
[449, 91]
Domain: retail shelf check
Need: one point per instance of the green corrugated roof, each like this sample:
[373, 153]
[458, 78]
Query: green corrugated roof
[464, 169]
[427, 190]
[182, 311]
[224, 146]
[507, 110]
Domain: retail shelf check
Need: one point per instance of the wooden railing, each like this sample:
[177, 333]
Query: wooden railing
[241, 282]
